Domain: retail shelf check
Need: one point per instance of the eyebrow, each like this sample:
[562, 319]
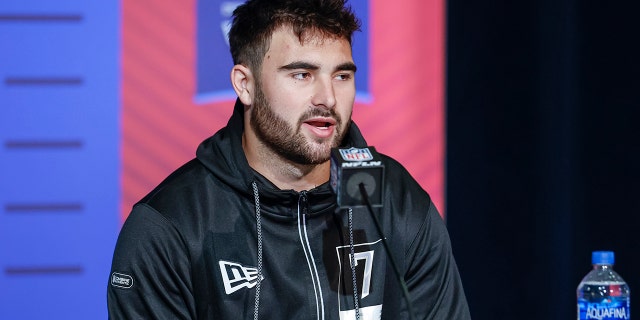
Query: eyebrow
[347, 66]
[299, 65]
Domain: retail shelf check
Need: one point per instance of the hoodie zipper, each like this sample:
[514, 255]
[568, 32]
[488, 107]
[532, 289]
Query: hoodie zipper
[303, 210]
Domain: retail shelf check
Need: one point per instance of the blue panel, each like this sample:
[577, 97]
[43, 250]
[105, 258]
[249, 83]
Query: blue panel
[59, 156]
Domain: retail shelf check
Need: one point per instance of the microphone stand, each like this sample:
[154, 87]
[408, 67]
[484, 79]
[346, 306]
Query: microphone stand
[403, 285]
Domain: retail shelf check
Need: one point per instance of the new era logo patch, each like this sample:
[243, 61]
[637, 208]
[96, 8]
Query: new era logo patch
[236, 276]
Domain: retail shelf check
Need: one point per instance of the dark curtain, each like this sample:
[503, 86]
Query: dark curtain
[543, 150]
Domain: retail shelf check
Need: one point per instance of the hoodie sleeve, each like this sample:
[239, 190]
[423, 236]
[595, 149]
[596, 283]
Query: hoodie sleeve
[432, 278]
[150, 277]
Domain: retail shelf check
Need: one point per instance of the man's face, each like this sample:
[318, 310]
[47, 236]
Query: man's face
[304, 96]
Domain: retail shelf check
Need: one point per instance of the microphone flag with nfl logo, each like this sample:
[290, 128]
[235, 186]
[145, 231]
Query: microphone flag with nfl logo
[352, 166]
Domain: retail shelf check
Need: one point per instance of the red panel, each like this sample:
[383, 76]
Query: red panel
[162, 126]
[406, 119]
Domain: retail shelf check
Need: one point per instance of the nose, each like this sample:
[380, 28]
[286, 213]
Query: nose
[324, 94]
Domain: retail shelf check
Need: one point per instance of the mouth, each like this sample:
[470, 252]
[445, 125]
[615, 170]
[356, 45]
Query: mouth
[321, 127]
[319, 124]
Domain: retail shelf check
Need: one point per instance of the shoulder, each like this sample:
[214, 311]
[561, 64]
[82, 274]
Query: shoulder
[188, 176]
[182, 189]
[401, 185]
[180, 200]
[409, 202]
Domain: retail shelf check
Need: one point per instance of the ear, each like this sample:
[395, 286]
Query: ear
[243, 83]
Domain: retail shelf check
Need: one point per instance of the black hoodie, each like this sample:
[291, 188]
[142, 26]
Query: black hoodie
[196, 246]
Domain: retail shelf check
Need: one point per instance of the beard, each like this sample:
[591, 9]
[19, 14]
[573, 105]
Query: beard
[288, 142]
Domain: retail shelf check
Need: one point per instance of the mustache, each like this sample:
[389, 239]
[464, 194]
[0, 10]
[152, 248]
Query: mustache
[320, 112]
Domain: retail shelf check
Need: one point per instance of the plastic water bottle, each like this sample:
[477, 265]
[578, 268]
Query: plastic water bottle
[602, 294]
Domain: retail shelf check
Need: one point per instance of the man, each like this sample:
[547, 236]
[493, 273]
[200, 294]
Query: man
[250, 228]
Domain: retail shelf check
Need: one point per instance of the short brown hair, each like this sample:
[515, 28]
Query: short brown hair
[255, 21]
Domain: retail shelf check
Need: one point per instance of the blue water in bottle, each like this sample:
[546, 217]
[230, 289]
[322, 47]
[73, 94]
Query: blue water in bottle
[602, 293]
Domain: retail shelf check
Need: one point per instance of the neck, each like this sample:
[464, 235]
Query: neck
[283, 173]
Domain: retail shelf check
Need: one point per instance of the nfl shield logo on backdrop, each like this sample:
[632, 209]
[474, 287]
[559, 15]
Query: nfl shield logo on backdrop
[214, 59]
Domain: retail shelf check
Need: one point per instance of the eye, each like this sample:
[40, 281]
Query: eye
[344, 76]
[301, 75]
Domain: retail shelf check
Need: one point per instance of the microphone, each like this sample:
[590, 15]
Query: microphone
[351, 167]
[357, 176]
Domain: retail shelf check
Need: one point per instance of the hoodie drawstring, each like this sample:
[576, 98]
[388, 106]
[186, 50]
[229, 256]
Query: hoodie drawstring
[256, 307]
[256, 197]
[353, 266]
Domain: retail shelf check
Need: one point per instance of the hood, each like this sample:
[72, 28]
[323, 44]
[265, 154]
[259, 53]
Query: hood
[223, 155]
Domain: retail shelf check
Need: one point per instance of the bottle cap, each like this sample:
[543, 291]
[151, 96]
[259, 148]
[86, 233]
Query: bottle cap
[602, 257]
